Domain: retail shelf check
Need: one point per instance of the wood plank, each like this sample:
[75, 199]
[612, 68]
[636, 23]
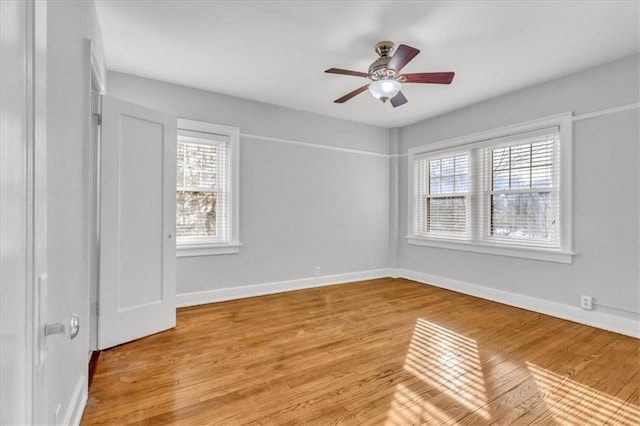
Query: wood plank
[372, 352]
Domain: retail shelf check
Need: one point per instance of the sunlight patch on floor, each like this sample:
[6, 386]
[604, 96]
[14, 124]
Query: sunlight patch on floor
[571, 402]
[448, 363]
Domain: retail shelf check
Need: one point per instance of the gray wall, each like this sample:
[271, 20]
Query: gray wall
[300, 206]
[606, 189]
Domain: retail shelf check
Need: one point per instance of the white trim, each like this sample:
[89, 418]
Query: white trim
[241, 292]
[596, 319]
[78, 402]
[206, 250]
[503, 250]
[580, 117]
[315, 145]
[608, 111]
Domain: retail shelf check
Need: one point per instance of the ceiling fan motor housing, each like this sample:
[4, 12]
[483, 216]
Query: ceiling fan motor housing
[378, 69]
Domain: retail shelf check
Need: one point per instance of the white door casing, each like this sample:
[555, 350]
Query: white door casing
[137, 222]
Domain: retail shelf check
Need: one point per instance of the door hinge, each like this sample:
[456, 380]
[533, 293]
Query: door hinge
[95, 309]
[98, 121]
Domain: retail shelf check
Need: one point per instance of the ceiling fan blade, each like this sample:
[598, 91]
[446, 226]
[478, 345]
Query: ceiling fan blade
[398, 100]
[347, 72]
[428, 77]
[350, 95]
[402, 56]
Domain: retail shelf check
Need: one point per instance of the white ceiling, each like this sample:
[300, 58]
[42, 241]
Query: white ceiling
[276, 51]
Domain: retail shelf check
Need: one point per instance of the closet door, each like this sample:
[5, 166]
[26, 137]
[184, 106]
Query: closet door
[137, 223]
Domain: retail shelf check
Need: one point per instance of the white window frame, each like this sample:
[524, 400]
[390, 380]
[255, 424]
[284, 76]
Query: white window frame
[233, 245]
[477, 243]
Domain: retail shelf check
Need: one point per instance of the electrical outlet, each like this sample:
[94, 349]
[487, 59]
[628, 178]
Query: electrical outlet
[316, 271]
[586, 302]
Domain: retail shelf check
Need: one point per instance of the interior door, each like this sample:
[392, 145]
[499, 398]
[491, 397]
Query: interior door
[23, 213]
[137, 222]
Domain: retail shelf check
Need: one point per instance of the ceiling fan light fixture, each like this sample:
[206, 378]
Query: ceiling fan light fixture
[384, 73]
[385, 88]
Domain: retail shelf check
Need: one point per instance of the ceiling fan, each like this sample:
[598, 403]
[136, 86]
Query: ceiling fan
[384, 73]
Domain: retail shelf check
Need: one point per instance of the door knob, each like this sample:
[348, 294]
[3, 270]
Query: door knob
[70, 326]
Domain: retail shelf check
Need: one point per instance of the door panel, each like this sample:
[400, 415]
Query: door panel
[137, 245]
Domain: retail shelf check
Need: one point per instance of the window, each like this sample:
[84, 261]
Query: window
[503, 192]
[524, 192]
[206, 193]
[443, 183]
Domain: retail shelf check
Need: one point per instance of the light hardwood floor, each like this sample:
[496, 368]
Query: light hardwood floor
[386, 351]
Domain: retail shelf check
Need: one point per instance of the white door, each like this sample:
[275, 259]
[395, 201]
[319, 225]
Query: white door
[23, 194]
[137, 223]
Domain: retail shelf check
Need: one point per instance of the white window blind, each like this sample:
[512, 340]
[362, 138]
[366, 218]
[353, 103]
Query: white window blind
[202, 188]
[521, 200]
[443, 186]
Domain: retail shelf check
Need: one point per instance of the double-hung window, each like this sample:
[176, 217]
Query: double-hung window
[523, 197]
[443, 184]
[206, 193]
[504, 192]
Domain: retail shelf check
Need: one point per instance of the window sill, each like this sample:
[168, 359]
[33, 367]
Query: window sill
[548, 255]
[193, 250]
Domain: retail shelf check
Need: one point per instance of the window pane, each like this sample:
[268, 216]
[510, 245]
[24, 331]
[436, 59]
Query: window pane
[434, 168]
[196, 214]
[180, 165]
[500, 158]
[521, 156]
[197, 164]
[525, 216]
[462, 183]
[542, 153]
[520, 178]
[530, 166]
[434, 186]
[449, 175]
[501, 180]
[541, 177]
[462, 165]
[447, 166]
[446, 214]
[447, 184]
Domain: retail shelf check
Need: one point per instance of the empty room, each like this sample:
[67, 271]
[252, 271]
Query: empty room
[320, 212]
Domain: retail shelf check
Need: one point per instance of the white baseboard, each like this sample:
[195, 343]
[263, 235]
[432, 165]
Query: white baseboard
[596, 319]
[241, 292]
[78, 402]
